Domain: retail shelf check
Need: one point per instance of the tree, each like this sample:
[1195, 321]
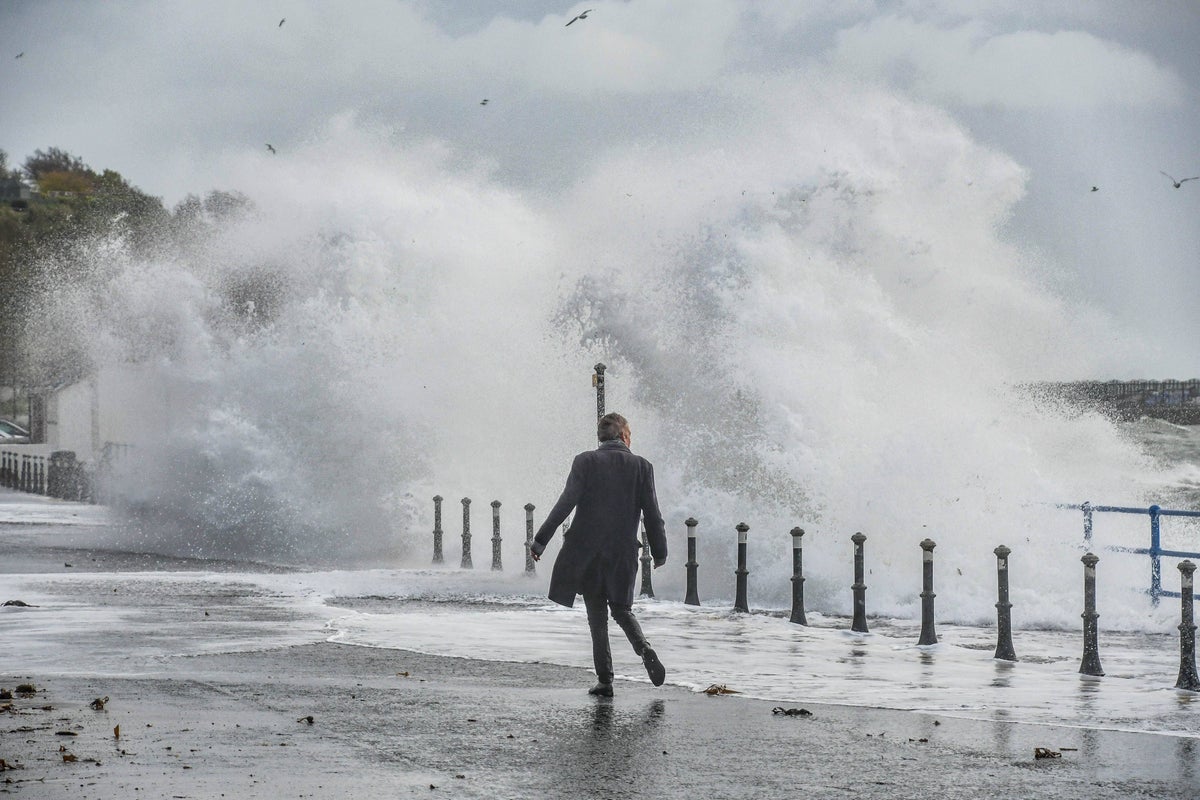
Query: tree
[40, 250]
[54, 159]
[5, 172]
[59, 181]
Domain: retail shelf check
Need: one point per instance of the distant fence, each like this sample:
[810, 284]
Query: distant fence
[1155, 550]
[36, 470]
[58, 474]
[1172, 400]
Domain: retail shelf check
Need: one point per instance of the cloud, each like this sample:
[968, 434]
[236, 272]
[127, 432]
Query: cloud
[1018, 70]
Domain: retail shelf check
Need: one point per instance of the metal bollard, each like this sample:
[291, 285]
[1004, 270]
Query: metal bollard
[928, 635]
[798, 577]
[691, 597]
[497, 566]
[1155, 554]
[740, 603]
[859, 623]
[1004, 644]
[466, 534]
[437, 529]
[1087, 523]
[598, 382]
[1187, 632]
[530, 567]
[1091, 645]
[647, 584]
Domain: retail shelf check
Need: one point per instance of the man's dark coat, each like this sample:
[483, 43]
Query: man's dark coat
[609, 488]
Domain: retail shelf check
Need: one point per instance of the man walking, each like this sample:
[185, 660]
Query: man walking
[609, 488]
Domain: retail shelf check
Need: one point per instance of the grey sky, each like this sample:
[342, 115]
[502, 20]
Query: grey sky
[175, 94]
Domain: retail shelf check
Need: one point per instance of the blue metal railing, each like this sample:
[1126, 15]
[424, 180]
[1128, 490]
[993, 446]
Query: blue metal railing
[1155, 550]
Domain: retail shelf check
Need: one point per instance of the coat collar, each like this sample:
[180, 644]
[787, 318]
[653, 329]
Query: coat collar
[613, 444]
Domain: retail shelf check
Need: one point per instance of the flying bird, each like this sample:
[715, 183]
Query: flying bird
[483, 102]
[272, 149]
[579, 16]
[1178, 183]
[21, 54]
[280, 25]
[1095, 188]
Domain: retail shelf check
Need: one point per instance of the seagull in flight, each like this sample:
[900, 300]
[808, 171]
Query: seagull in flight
[1178, 183]
[280, 25]
[483, 102]
[579, 16]
[272, 149]
[21, 54]
[1095, 188]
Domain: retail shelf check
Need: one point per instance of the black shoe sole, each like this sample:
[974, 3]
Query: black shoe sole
[654, 667]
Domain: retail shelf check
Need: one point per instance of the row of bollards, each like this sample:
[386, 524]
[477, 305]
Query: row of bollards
[497, 561]
[1090, 664]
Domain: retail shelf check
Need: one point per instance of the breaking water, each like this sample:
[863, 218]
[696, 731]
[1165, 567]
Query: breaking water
[124, 612]
[813, 314]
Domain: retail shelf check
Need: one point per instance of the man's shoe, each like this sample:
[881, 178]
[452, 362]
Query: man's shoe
[601, 690]
[654, 667]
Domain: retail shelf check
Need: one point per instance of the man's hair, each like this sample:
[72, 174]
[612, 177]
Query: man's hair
[611, 426]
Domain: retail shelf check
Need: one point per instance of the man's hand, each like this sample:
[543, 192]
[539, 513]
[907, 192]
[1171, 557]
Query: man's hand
[535, 556]
[536, 550]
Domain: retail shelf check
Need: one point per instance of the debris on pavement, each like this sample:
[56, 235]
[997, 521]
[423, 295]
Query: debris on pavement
[791, 712]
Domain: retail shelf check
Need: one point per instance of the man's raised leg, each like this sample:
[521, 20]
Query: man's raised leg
[623, 615]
